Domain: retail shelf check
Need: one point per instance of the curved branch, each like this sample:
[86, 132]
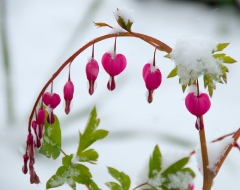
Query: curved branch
[152, 41]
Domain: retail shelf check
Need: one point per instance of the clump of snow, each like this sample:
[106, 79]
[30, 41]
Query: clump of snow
[193, 58]
[116, 30]
[215, 151]
[157, 181]
[125, 13]
[180, 180]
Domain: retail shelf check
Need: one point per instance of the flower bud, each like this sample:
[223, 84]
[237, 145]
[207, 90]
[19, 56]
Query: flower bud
[152, 77]
[92, 70]
[68, 91]
[40, 116]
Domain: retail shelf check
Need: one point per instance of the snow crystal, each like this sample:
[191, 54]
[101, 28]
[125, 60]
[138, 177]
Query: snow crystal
[125, 13]
[193, 58]
[215, 151]
[180, 180]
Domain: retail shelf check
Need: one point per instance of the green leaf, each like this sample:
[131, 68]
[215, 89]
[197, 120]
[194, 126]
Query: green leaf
[123, 179]
[127, 26]
[184, 86]
[67, 160]
[155, 162]
[93, 185]
[113, 186]
[88, 156]
[221, 46]
[224, 69]
[175, 167]
[173, 73]
[51, 146]
[228, 59]
[70, 174]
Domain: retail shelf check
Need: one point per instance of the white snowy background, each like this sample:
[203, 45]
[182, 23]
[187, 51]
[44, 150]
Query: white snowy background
[43, 34]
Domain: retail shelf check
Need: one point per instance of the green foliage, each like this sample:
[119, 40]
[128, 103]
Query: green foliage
[51, 146]
[89, 136]
[121, 177]
[69, 173]
[161, 179]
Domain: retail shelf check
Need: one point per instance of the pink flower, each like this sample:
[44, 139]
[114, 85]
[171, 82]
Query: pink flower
[191, 187]
[197, 105]
[92, 70]
[152, 77]
[113, 64]
[25, 160]
[51, 101]
[68, 91]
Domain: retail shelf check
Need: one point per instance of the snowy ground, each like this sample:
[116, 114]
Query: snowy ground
[43, 34]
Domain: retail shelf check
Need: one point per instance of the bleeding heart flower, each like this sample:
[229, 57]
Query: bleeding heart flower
[51, 101]
[198, 105]
[68, 91]
[113, 64]
[92, 70]
[152, 77]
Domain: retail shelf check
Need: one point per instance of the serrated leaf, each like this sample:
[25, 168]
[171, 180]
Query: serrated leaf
[88, 156]
[127, 26]
[221, 46]
[90, 134]
[113, 186]
[121, 177]
[86, 142]
[93, 185]
[155, 163]
[70, 174]
[51, 146]
[175, 167]
[173, 73]
[228, 59]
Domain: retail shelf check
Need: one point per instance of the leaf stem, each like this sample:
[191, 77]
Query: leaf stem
[63, 152]
[88, 187]
[152, 41]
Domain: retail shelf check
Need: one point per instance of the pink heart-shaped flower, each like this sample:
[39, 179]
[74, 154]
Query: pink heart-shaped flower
[51, 100]
[152, 76]
[198, 106]
[114, 65]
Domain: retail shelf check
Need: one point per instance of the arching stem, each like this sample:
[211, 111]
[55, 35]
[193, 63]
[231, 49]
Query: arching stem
[152, 41]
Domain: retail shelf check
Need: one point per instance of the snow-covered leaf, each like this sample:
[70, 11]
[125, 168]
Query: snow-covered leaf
[155, 162]
[51, 146]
